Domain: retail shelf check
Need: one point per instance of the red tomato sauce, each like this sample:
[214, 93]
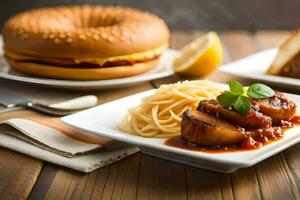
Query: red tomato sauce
[258, 138]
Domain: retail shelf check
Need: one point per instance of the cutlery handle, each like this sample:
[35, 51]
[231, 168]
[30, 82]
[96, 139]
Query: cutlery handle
[77, 103]
[46, 109]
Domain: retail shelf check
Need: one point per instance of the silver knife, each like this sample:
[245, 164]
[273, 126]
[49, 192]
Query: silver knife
[9, 100]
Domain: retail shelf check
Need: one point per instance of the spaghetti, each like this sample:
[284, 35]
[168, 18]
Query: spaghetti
[159, 115]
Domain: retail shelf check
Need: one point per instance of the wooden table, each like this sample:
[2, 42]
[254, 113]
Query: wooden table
[145, 177]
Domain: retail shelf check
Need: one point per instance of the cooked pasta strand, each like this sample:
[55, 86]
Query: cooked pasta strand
[160, 115]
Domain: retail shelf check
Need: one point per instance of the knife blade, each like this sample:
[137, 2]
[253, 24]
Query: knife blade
[8, 99]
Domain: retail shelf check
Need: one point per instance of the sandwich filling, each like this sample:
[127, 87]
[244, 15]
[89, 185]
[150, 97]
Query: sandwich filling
[123, 60]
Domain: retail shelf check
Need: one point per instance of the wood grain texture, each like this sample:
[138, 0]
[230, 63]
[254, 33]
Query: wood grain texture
[275, 179]
[245, 184]
[161, 179]
[204, 185]
[293, 161]
[116, 181]
[44, 181]
[18, 174]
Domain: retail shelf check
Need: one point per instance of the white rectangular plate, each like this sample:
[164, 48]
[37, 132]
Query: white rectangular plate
[103, 120]
[255, 66]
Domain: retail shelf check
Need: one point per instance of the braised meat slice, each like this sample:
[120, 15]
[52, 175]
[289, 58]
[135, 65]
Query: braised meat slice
[204, 129]
[253, 120]
[277, 107]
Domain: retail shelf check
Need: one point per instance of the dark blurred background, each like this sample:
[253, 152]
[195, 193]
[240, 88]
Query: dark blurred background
[192, 14]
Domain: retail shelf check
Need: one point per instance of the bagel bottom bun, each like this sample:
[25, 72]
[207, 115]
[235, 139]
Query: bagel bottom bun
[56, 72]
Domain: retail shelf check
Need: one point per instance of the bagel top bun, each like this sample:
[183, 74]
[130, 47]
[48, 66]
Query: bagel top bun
[84, 32]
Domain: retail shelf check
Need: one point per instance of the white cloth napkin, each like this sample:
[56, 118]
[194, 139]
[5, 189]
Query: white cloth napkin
[49, 144]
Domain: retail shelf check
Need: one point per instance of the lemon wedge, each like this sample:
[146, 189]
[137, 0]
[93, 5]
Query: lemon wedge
[200, 57]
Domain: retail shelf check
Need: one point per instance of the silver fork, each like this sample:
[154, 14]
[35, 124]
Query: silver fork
[41, 108]
[9, 100]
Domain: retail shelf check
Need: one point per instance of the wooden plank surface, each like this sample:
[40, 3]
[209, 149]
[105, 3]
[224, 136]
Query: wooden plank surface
[145, 177]
[18, 174]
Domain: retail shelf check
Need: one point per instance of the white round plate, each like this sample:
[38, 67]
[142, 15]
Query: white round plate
[163, 69]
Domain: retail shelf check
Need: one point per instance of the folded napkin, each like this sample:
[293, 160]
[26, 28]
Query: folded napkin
[47, 138]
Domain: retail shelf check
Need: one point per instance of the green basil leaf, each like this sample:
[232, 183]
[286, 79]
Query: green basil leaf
[236, 87]
[242, 105]
[260, 91]
[227, 99]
